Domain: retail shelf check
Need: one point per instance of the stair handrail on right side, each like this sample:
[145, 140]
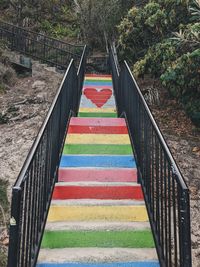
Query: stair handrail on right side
[165, 191]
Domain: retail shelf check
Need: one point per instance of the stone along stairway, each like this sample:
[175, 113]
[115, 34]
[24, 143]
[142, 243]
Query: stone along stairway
[97, 215]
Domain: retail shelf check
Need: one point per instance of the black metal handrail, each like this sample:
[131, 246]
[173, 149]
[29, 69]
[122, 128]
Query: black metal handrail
[81, 74]
[39, 46]
[165, 191]
[32, 192]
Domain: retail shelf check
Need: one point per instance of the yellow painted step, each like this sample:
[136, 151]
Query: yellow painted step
[96, 110]
[111, 139]
[98, 213]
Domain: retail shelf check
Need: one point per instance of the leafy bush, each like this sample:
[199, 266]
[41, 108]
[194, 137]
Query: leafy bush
[4, 4]
[188, 37]
[144, 27]
[183, 82]
[157, 59]
[58, 30]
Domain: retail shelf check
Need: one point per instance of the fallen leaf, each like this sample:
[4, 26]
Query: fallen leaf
[196, 149]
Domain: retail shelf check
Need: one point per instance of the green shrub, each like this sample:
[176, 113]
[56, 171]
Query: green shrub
[58, 30]
[144, 27]
[157, 59]
[183, 82]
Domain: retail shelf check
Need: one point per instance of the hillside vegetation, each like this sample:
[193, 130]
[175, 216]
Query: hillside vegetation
[162, 39]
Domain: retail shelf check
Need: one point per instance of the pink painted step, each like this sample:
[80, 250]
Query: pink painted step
[98, 122]
[97, 175]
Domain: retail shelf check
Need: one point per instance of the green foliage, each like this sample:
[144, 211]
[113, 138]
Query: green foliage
[183, 82]
[144, 27]
[162, 39]
[98, 19]
[4, 4]
[188, 37]
[157, 59]
[195, 10]
[58, 30]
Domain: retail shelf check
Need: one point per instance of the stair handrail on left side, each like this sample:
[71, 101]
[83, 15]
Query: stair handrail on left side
[32, 191]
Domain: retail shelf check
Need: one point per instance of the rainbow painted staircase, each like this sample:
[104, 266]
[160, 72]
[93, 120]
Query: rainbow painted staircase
[97, 216]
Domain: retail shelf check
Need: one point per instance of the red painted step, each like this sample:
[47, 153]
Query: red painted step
[97, 192]
[97, 129]
[98, 175]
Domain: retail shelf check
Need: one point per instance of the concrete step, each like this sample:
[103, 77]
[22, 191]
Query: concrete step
[98, 255]
[97, 202]
[96, 226]
[120, 264]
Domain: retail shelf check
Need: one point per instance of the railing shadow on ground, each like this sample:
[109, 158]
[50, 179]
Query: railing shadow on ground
[39, 46]
[32, 191]
[165, 191]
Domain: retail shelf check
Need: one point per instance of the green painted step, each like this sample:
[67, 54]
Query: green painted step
[97, 115]
[103, 239]
[98, 149]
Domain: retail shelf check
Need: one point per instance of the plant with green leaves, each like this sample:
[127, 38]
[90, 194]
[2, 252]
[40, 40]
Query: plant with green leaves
[183, 82]
[157, 59]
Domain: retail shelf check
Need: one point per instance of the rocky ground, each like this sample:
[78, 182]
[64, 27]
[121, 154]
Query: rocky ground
[25, 105]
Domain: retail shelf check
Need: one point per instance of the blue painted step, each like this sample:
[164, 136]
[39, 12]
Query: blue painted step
[115, 264]
[97, 161]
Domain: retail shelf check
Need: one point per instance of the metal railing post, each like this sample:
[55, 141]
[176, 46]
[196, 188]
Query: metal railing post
[186, 260]
[14, 228]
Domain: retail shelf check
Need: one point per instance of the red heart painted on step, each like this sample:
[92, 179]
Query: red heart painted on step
[99, 98]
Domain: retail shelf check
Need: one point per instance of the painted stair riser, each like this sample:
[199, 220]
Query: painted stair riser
[93, 75]
[97, 150]
[97, 192]
[97, 130]
[120, 239]
[105, 161]
[122, 264]
[97, 87]
[97, 226]
[88, 104]
[98, 175]
[107, 110]
[97, 255]
[98, 213]
[97, 115]
[119, 122]
[104, 139]
[109, 79]
[93, 82]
